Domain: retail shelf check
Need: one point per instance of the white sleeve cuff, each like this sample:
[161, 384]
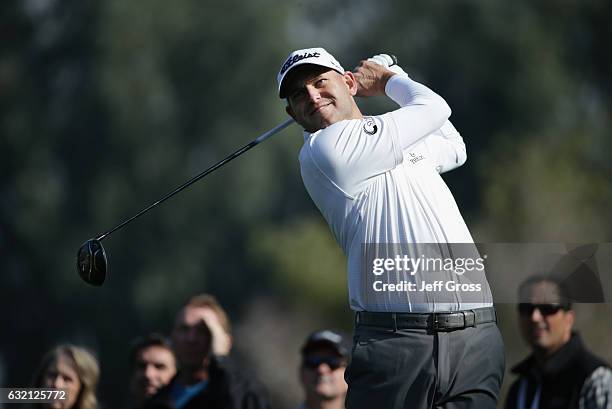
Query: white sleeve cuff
[404, 91]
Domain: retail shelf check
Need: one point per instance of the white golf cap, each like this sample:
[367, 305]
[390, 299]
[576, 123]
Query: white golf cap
[316, 56]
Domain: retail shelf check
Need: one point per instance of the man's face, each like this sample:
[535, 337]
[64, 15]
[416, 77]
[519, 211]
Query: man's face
[548, 327]
[322, 374]
[191, 337]
[318, 96]
[154, 367]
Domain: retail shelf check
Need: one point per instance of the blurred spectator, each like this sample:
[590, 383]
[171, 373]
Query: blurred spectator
[561, 372]
[201, 340]
[324, 359]
[153, 366]
[73, 369]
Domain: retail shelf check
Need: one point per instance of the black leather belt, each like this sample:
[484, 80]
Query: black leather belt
[435, 321]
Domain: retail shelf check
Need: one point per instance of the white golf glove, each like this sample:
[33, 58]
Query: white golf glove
[388, 62]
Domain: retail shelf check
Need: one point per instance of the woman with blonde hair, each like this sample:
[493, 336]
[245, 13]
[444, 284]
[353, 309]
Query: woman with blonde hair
[74, 370]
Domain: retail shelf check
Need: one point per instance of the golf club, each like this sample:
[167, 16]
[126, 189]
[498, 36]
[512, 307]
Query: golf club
[91, 257]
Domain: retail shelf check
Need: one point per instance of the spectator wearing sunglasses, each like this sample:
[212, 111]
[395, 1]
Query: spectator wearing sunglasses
[324, 359]
[560, 372]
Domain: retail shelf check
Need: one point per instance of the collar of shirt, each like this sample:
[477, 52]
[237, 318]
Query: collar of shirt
[181, 394]
[560, 360]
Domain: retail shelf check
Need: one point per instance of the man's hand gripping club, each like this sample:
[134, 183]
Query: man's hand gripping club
[372, 74]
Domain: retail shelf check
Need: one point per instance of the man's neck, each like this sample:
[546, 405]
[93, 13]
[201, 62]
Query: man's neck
[314, 403]
[356, 112]
[193, 376]
[543, 355]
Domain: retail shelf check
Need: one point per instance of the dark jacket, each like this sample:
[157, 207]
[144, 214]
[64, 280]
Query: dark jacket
[560, 379]
[226, 389]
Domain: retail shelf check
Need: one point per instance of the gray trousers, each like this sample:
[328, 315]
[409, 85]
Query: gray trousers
[411, 368]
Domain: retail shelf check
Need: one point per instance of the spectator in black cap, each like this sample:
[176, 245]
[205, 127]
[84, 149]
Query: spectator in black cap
[324, 359]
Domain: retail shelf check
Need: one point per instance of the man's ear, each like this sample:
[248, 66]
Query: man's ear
[571, 318]
[351, 82]
[289, 111]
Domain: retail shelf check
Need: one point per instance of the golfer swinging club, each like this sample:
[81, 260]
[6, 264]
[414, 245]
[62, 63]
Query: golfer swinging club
[376, 179]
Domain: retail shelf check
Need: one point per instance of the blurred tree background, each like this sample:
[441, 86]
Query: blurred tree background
[107, 105]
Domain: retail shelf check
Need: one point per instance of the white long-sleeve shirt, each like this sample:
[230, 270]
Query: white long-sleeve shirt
[377, 180]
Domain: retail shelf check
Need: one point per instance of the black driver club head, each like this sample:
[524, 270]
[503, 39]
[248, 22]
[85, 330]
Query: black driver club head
[91, 262]
[91, 258]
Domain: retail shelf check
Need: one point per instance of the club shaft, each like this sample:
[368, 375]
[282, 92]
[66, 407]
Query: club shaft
[194, 179]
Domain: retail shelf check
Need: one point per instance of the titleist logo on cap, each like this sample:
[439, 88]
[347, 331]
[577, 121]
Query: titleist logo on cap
[315, 56]
[298, 57]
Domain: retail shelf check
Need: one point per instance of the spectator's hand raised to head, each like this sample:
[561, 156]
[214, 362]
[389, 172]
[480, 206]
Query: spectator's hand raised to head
[221, 341]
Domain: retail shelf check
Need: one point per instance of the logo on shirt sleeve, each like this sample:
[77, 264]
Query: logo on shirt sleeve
[369, 126]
